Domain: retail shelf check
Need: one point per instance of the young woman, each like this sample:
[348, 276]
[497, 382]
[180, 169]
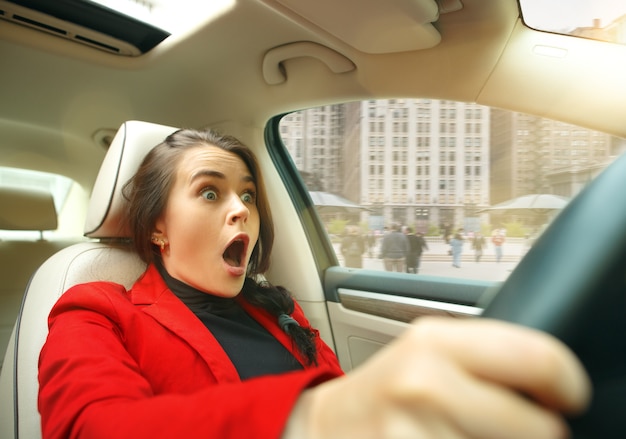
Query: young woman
[202, 347]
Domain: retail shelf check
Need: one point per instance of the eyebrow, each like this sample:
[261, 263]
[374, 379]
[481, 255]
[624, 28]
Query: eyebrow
[216, 174]
[207, 173]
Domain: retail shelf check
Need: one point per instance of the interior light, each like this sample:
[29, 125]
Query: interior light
[551, 51]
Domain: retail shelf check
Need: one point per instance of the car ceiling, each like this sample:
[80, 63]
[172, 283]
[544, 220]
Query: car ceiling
[58, 96]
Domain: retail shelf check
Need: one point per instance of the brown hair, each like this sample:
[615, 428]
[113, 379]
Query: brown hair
[149, 189]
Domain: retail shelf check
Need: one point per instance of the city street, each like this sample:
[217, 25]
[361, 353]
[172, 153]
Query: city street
[436, 261]
[469, 269]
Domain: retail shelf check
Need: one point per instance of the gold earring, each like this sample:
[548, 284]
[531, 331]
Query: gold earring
[159, 241]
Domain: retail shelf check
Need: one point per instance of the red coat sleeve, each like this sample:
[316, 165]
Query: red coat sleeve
[98, 381]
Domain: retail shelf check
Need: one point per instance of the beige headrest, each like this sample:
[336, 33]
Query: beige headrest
[27, 209]
[131, 143]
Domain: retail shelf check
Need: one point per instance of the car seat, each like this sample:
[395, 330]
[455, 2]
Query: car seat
[31, 210]
[108, 257]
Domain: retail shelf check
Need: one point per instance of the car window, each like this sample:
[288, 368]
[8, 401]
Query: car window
[475, 185]
[57, 185]
[603, 20]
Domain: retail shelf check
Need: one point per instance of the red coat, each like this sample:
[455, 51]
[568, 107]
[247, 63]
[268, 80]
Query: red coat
[139, 364]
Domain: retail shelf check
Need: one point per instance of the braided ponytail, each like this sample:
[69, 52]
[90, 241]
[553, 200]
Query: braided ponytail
[278, 302]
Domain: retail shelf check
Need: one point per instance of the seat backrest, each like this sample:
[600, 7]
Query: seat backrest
[19, 259]
[110, 259]
[28, 210]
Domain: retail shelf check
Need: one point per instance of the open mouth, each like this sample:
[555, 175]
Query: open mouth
[235, 253]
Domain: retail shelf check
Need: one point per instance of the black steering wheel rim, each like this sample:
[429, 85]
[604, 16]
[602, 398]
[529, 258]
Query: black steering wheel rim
[572, 284]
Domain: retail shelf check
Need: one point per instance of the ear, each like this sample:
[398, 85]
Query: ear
[159, 230]
[159, 238]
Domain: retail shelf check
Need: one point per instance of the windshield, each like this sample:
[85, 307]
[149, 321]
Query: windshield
[594, 19]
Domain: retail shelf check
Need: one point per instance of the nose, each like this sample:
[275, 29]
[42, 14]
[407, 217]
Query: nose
[238, 210]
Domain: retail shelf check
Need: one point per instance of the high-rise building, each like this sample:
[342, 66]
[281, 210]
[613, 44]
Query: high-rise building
[528, 152]
[423, 162]
[315, 139]
[413, 161]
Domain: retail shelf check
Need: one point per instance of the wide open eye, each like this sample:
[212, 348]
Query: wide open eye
[209, 194]
[248, 197]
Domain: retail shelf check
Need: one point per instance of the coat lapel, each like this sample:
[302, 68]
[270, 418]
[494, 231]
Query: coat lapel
[158, 301]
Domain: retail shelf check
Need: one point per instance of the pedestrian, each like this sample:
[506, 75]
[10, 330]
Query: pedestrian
[478, 244]
[456, 248]
[417, 245]
[394, 249]
[498, 239]
[353, 247]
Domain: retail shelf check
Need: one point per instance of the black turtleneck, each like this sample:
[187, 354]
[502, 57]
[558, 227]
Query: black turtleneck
[251, 348]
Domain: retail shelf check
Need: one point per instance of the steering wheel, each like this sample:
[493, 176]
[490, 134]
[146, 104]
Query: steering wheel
[572, 284]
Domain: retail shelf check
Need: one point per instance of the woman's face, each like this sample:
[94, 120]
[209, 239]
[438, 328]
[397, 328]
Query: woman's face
[211, 223]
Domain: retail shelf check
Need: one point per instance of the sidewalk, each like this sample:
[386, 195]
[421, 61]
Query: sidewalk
[436, 262]
[490, 271]
[513, 251]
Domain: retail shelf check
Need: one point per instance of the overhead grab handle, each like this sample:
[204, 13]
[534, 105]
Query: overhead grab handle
[274, 70]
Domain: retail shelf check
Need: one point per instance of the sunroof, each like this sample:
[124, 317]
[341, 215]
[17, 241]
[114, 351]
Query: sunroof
[173, 16]
[603, 20]
[124, 27]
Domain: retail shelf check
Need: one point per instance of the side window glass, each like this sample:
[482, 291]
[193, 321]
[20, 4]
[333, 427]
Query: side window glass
[63, 192]
[439, 187]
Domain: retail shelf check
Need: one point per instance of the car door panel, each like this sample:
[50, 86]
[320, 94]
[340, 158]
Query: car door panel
[367, 309]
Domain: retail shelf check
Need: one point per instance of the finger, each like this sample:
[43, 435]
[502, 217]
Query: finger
[481, 409]
[521, 358]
